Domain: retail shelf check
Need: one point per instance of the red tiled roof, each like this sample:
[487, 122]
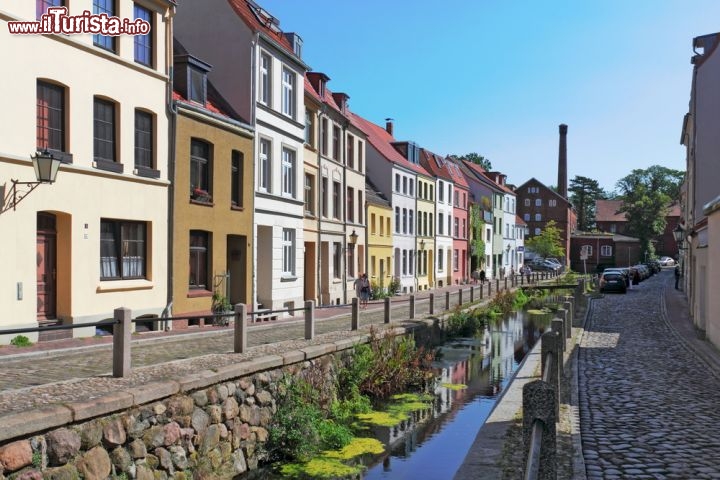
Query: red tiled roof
[327, 98]
[482, 172]
[251, 14]
[381, 140]
[609, 211]
[209, 105]
[519, 221]
[429, 162]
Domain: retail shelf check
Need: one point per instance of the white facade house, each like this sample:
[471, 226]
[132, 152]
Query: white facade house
[78, 248]
[396, 178]
[259, 70]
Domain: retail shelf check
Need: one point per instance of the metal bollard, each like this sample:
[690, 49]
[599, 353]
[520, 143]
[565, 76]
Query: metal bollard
[355, 314]
[240, 340]
[460, 299]
[481, 291]
[122, 355]
[388, 315]
[505, 283]
[447, 301]
[412, 306]
[497, 285]
[309, 319]
[432, 304]
[472, 293]
[489, 288]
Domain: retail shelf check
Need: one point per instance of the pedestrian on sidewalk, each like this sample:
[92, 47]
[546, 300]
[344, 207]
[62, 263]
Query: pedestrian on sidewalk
[677, 276]
[482, 276]
[362, 289]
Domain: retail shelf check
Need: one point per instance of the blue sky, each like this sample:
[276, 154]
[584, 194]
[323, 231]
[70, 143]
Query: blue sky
[497, 77]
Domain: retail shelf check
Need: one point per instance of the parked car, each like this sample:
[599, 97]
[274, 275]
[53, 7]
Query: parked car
[667, 261]
[613, 281]
[546, 266]
[625, 272]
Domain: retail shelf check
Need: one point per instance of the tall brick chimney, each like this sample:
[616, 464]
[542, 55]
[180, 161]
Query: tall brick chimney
[562, 183]
[389, 126]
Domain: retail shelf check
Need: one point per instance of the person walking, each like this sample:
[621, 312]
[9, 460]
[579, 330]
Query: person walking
[677, 276]
[482, 277]
[362, 289]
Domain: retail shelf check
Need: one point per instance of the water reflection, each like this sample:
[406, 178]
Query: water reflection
[433, 443]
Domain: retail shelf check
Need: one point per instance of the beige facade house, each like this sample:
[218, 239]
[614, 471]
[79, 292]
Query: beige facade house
[700, 245]
[96, 238]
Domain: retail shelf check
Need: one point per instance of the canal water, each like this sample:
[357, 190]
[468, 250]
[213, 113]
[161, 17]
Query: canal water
[435, 442]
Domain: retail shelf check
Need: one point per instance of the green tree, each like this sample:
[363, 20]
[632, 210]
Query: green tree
[646, 195]
[548, 243]
[478, 159]
[584, 192]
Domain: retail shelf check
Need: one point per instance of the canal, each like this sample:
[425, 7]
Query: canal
[473, 372]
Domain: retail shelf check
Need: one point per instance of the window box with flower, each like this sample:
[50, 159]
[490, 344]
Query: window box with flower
[197, 194]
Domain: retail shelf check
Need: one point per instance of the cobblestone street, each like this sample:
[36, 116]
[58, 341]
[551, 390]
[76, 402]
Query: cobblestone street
[648, 403]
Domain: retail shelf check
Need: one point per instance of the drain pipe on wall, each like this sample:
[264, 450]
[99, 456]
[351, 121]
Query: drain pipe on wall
[172, 120]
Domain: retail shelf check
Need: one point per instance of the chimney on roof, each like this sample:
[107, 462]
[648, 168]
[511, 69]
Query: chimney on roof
[389, 126]
[562, 162]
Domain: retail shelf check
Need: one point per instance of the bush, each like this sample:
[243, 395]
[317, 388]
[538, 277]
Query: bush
[377, 292]
[21, 341]
[465, 324]
[394, 286]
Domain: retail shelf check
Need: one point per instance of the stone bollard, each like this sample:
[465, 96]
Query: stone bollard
[460, 299]
[522, 279]
[551, 345]
[122, 355]
[355, 314]
[472, 293]
[388, 315]
[567, 323]
[447, 301]
[497, 285]
[431, 309]
[412, 306]
[537, 408]
[240, 340]
[557, 325]
[489, 288]
[567, 305]
[309, 319]
[481, 291]
[505, 287]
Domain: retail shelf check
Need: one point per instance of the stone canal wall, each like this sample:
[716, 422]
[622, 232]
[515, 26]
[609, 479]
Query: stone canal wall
[212, 424]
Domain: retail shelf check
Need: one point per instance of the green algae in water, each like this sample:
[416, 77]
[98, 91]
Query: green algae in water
[538, 312]
[398, 410]
[321, 467]
[329, 464]
[382, 419]
[454, 386]
[357, 447]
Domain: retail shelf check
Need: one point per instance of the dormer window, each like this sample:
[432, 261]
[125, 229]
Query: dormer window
[191, 78]
[296, 43]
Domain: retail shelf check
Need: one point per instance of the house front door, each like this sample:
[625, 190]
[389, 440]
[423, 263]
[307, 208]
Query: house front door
[46, 266]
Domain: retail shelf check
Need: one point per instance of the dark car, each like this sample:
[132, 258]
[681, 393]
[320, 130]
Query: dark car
[613, 281]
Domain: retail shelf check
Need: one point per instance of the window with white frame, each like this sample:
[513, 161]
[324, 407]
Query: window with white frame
[538, 217]
[265, 87]
[288, 251]
[587, 249]
[337, 259]
[552, 203]
[526, 217]
[397, 219]
[288, 172]
[527, 202]
[411, 221]
[537, 231]
[288, 92]
[264, 165]
[538, 202]
[440, 256]
[606, 251]
[456, 260]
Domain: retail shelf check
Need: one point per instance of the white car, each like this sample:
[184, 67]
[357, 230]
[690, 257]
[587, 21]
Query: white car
[666, 261]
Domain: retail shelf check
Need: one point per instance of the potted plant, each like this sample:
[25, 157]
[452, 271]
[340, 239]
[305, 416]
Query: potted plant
[200, 195]
[221, 306]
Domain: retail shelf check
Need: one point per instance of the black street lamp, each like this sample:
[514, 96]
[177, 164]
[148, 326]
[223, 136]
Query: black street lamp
[46, 168]
[679, 234]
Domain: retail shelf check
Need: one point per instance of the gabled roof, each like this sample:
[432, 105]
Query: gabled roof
[260, 20]
[327, 98]
[481, 175]
[616, 237]
[609, 211]
[434, 164]
[210, 106]
[535, 180]
[375, 196]
[519, 221]
[379, 138]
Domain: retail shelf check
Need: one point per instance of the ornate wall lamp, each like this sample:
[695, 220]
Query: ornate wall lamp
[46, 168]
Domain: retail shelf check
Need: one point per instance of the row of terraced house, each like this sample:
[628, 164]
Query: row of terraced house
[206, 157]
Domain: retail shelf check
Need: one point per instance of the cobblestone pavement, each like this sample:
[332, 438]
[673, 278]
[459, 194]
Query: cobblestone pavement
[648, 404]
[48, 377]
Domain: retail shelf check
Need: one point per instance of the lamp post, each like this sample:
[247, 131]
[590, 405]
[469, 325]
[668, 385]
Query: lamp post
[679, 234]
[350, 259]
[46, 167]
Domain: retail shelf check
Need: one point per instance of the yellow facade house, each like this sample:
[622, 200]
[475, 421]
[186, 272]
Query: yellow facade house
[425, 237]
[212, 198]
[379, 236]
